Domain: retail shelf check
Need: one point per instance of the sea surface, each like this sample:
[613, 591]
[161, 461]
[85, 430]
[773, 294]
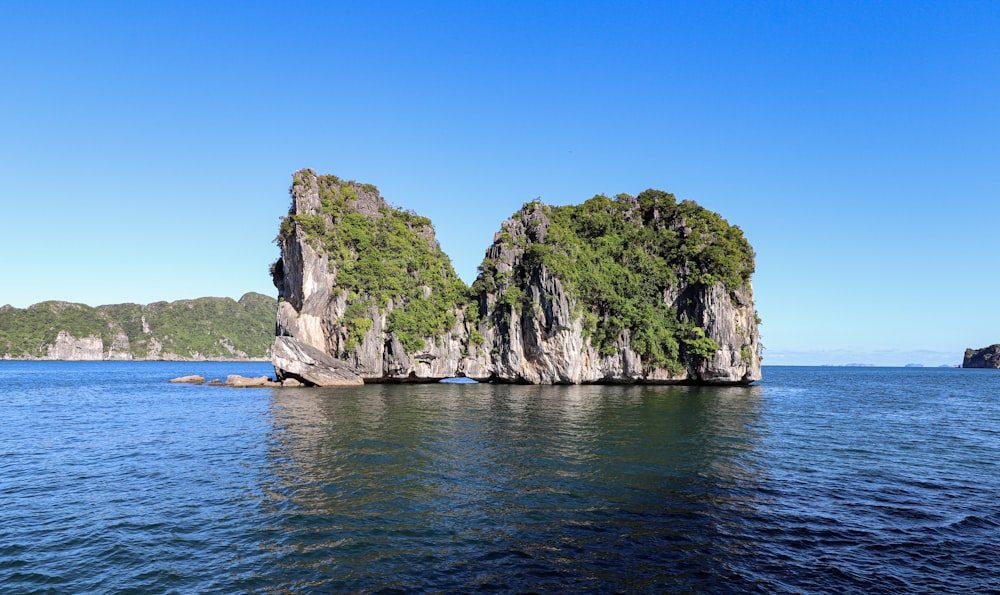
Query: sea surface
[815, 480]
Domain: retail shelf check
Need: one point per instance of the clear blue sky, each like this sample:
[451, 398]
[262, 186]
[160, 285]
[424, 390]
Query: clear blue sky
[147, 148]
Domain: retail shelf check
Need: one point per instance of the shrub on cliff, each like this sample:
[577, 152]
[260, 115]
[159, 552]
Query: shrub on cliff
[565, 294]
[621, 259]
[382, 256]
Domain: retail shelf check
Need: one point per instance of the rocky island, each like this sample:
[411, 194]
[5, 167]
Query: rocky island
[629, 289]
[987, 357]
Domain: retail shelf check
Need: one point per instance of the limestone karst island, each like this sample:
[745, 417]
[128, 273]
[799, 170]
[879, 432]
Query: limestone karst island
[630, 289]
[985, 357]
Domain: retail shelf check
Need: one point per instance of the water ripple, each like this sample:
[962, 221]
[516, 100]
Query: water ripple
[815, 481]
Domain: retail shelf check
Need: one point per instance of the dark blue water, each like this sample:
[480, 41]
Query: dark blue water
[816, 480]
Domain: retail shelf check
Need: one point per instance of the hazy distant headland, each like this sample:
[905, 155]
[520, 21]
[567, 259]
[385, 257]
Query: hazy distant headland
[207, 328]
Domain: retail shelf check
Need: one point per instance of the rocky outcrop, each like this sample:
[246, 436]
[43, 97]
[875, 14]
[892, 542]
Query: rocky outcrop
[191, 379]
[543, 343]
[68, 347]
[533, 315]
[304, 363]
[237, 381]
[987, 357]
[120, 348]
[542, 338]
[729, 319]
[318, 309]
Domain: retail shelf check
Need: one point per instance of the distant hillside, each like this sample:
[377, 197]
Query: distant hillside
[203, 328]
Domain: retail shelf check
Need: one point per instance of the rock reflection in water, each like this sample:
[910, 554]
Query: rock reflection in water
[452, 487]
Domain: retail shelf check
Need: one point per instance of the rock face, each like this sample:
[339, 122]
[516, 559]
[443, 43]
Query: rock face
[729, 318]
[345, 305]
[296, 360]
[68, 347]
[542, 337]
[987, 357]
[630, 290]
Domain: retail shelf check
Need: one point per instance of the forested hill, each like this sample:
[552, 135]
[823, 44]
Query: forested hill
[202, 328]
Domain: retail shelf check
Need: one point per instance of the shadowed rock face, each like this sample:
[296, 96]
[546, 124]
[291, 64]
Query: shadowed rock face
[987, 357]
[522, 321]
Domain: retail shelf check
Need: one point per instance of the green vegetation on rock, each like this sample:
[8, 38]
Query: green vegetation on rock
[385, 259]
[638, 275]
[210, 328]
[622, 261]
[28, 332]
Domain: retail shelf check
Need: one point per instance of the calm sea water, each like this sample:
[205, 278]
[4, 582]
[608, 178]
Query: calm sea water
[816, 480]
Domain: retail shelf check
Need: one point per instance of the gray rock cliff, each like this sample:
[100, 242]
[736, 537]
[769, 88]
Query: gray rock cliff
[543, 340]
[305, 363]
[401, 314]
[318, 308]
[68, 347]
[986, 357]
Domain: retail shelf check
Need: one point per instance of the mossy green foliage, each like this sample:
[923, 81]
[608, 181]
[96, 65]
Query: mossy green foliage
[205, 325]
[619, 258]
[385, 257]
[187, 328]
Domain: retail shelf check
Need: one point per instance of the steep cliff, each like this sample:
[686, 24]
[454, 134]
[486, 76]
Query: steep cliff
[630, 289]
[987, 357]
[198, 329]
[368, 283]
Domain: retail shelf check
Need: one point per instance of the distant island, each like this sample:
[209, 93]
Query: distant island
[207, 328]
[986, 357]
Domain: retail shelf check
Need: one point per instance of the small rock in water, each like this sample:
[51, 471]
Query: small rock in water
[238, 381]
[193, 379]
